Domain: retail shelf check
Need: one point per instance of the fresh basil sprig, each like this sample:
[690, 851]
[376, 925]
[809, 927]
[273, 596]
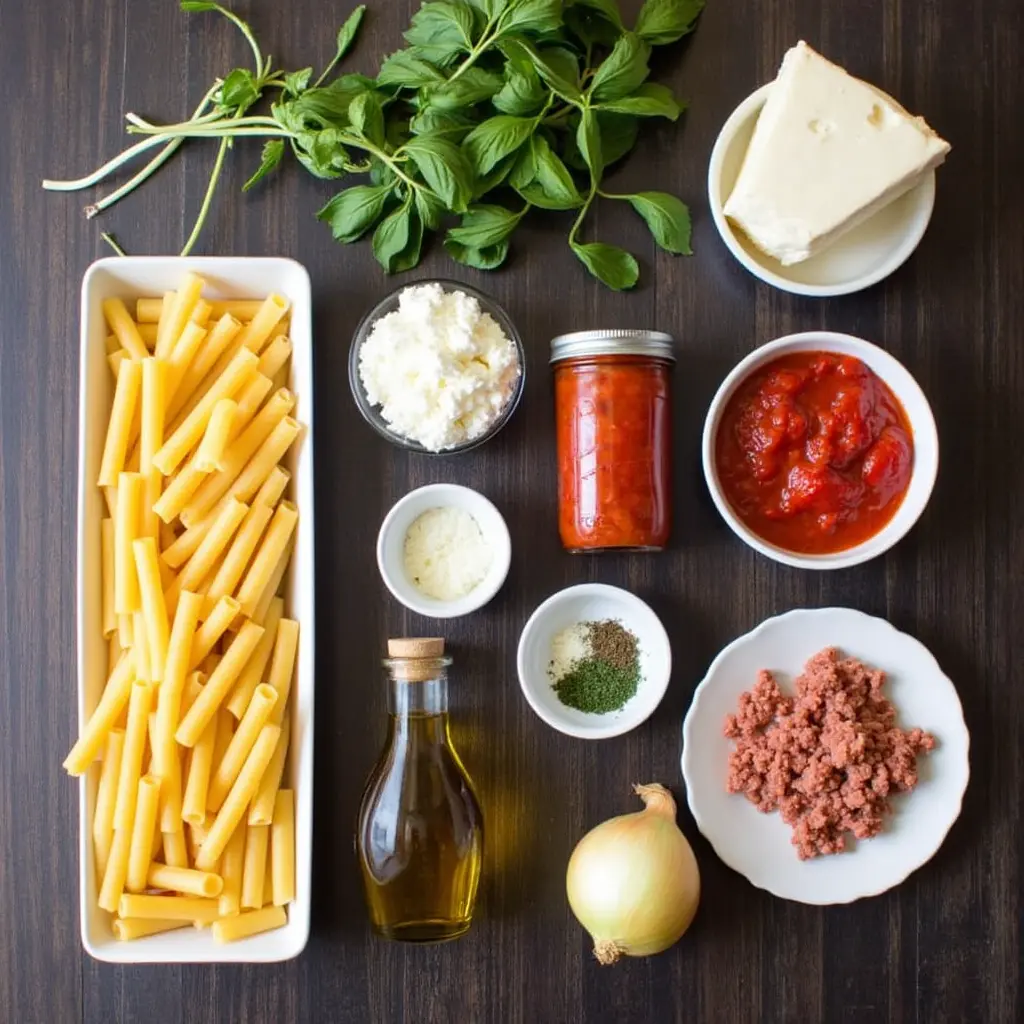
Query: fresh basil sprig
[493, 108]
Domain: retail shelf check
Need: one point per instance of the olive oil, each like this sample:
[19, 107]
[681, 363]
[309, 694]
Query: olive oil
[420, 837]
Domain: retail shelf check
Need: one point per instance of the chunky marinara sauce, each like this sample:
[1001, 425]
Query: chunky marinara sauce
[614, 430]
[814, 452]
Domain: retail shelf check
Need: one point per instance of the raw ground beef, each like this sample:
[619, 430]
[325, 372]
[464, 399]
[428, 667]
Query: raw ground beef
[826, 759]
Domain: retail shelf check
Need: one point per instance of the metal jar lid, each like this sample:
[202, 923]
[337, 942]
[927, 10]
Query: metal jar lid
[656, 344]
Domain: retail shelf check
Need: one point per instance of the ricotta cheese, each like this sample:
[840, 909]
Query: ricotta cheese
[440, 368]
[446, 555]
[828, 151]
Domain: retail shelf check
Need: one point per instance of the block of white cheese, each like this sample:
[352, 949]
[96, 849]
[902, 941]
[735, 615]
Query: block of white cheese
[828, 151]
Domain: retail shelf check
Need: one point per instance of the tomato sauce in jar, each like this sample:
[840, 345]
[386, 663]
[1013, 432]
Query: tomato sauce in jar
[814, 452]
[614, 439]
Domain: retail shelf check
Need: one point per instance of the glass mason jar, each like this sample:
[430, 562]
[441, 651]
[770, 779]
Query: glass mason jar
[613, 413]
[420, 834]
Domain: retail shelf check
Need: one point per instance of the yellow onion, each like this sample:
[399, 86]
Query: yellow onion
[633, 881]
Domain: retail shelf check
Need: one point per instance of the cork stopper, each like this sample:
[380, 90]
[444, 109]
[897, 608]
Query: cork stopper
[416, 659]
[415, 647]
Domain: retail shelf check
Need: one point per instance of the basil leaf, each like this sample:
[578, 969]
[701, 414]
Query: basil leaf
[273, 151]
[444, 168]
[404, 68]
[321, 152]
[591, 28]
[489, 8]
[618, 135]
[608, 8]
[442, 25]
[296, 82]
[381, 174]
[472, 87]
[482, 259]
[521, 94]
[524, 168]
[609, 264]
[497, 176]
[367, 117]
[665, 21]
[410, 255]
[483, 225]
[623, 70]
[650, 100]
[667, 217]
[353, 212]
[557, 190]
[588, 141]
[560, 85]
[239, 89]
[494, 139]
[323, 107]
[392, 236]
[562, 63]
[533, 16]
[449, 123]
[430, 208]
[347, 33]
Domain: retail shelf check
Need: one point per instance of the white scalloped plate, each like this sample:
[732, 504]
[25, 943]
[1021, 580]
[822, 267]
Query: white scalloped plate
[758, 845]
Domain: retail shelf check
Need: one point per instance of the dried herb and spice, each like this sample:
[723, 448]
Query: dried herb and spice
[595, 666]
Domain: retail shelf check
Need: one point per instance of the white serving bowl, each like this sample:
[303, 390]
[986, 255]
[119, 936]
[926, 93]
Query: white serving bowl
[593, 602]
[911, 397]
[226, 278]
[860, 258]
[391, 548]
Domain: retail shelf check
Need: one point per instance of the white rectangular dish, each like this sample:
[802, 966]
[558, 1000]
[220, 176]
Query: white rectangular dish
[228, 277]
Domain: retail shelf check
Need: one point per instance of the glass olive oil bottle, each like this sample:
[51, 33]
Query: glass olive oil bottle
[420, 837]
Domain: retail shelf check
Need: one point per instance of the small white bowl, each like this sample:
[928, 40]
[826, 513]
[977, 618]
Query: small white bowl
[593, 602]
[862, 257]
[391, 548]
[911, 397]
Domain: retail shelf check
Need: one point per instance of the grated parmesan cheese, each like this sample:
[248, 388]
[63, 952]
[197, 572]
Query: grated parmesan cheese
[440, 369]
[446, 555]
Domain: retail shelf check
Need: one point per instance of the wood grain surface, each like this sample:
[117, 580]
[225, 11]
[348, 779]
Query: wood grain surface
[944, 946]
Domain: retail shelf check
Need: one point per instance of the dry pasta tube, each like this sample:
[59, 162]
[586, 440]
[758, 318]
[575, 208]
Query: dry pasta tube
[188, 432]
[138, 928]
[273, 487]
[114, 361]
[106, 794]
[210, 454]
[226, 770]
[254, 866]
[151, 430]
[110, 500]
[114, 877]
[147, 310]
[276, 354]
[183, 547]
[181, 359]
[252, 675]
[140, 850]
[108, 615]
[140, 648]
[185, 300]
[267, 456]
[241, 450]
[169, 908]
[125, 632]
[193, 804]
[242, 792]
[193, 687]
[218, 685]
[152, 487]
[213, 544]
[255, 334]
[113, 345]
[186, 881]
[131, 759]
[124, 327]
[115, 447]
[271, 589]
[229, 929]
[282, 842]
[148, 334]
[127, 522]
[237, 556]
[201, 313]
[175, 849]
[179, 492]
[268, 881]
[213, 628]
[154, 608]
[261, 812]
[112, 701]
[210, 350]
[268, 555]
[250, 398]
[282, 665]
[231, 866]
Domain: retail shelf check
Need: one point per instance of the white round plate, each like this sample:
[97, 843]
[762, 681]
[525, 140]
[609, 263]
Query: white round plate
[860, 258]
[758, 845]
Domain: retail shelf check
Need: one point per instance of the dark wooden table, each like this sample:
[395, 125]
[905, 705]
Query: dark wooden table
[944, 946]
